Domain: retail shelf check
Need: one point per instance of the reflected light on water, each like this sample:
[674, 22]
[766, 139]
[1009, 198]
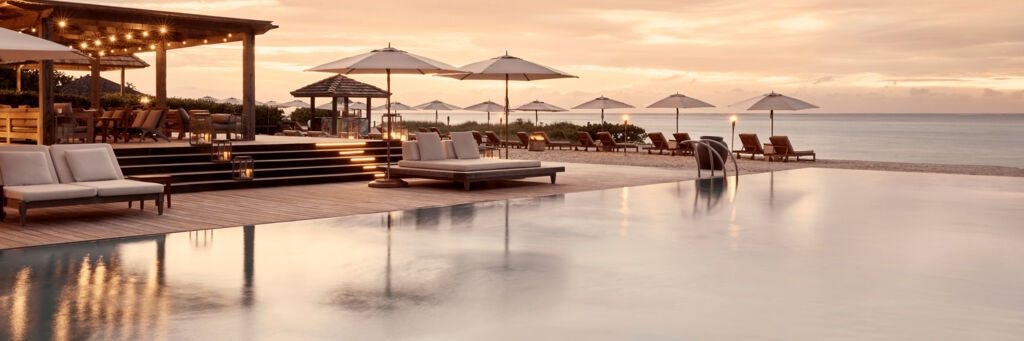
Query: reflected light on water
[19, 310]
[625, 211]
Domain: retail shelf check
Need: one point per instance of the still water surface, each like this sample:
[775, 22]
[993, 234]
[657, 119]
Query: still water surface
[801, 254]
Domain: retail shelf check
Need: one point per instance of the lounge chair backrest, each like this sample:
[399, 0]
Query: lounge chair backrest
[492, 137]
[544, 134]
[434, 129]
[606, 138]
[680, 137]
[658, 139]
[183, 116]
[154, 120]
[423, 130]
[117, 114]
[30, 148]
[585, 139]
[430, 146]
[449, 150]
[63, 170]
[478, 137]
[140, 119]
[781, 144]
[523, 137]
[751, 143]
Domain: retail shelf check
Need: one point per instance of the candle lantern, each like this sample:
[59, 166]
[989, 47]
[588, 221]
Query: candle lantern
[242, 168]
[397, 129]
[201, 130]
[220, 152]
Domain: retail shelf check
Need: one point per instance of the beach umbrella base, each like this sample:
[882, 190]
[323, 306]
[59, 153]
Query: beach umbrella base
[388, 183]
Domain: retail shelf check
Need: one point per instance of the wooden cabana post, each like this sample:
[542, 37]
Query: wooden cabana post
[48, 124]
[94, 83]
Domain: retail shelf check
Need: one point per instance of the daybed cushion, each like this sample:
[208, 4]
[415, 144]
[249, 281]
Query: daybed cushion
[90, 165]
[152, 119]
[221, 118]
[470, 165]
[60, 160]
[48, 192]
[110, 188]
[449, 150]
[410, 151]
[430, 146]
[465, 145]
[25, 168]
[140, 118]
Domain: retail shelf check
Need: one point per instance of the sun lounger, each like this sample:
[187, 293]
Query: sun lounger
[66, 175]
[784, 149]
[586, 141]
[660, 143]
[495, 141]
[459, 160]
[608, 143]
[682, 148]
[524, 138]
[553, 143]
[751, 145]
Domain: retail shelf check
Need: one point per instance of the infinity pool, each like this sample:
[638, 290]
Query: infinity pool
[800, 254]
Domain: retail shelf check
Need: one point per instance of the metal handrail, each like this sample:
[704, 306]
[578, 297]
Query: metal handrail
[712, 151]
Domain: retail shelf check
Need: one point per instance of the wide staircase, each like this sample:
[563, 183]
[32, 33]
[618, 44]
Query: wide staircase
[192, 170]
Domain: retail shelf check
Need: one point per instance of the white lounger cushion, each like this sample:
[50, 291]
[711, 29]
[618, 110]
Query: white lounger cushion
[25, 168]
[449, 150]
[48, 192]
[90, 165]
[465, 145]
[111, 188]
[470, 165]
[430, 146]
[63, 169]
[410, 151]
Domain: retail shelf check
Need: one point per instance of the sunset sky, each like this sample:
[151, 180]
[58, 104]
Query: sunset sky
[844, 56]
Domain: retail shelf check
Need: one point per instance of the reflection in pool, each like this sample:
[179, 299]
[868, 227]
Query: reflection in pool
[797, 254]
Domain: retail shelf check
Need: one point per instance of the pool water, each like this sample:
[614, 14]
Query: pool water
[798, 254]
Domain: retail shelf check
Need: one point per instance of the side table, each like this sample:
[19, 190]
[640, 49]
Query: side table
[164, 179]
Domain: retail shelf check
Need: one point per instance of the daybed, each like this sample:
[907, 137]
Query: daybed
[459, 160]
[66, 175]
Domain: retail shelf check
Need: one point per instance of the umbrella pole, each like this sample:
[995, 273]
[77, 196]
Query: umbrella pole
[435, 116]
[536, 117]
[488, 118]
[506, 117]
[771, 116]
[602, 116]
[388, 182]
[677, 120]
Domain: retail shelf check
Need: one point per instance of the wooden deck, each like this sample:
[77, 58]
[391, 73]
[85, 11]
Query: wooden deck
[204, 210]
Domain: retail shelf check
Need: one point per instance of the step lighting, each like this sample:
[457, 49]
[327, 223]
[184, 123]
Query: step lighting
[340, 144]
[378, 175]
[363, 159]
[350, 152]
[369, 167]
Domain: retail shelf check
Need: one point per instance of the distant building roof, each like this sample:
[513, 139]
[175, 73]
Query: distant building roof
[340, 86]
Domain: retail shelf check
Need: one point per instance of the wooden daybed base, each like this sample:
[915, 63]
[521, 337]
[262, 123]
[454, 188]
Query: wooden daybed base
[469, 177]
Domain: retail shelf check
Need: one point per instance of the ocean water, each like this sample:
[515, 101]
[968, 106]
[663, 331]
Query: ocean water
[968, 139]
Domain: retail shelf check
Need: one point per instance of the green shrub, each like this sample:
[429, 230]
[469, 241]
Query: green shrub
[302, 116]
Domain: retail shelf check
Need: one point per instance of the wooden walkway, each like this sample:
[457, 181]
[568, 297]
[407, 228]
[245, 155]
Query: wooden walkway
[204, 210]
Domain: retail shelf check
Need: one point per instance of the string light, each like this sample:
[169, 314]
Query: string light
[184, 42]
[225, 40]
[152, 47]
[128, 36]
[113, 38]
[205, 41]
[33, 30]
[145, 33]
[62, 24]
[229, 35]
[102, 53]
[163, 29]
[98, 42]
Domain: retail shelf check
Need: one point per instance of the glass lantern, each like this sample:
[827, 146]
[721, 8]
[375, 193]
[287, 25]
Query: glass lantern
[242, 168]
[220, 152]
[201, 130]
[397, 131]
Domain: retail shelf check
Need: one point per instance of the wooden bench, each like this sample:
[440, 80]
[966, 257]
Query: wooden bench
[17, 123]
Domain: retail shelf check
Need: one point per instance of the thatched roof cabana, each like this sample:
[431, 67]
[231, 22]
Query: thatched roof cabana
[339, 86]
[109, 63]
[103, 31]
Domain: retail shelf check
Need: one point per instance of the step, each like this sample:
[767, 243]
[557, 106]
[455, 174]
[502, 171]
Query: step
[142, 150]
[225, 174]
[166, 168]
[260, 155]
[200, 186]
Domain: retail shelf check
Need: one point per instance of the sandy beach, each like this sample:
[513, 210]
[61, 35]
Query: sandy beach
[748, 166]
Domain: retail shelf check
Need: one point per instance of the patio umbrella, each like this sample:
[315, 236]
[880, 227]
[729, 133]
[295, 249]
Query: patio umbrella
[679, 101]
[15, 45]
[387, 61]
[773, 101]
[395, 106]
[487, 106]
[436, 105]
[507, 68]
[293, 103]
[539, 106]
[209, 99]
[231, 100]
[272, 104]
[603, 103]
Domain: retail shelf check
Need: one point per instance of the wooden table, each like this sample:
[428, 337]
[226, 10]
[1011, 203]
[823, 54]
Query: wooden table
[164, 179]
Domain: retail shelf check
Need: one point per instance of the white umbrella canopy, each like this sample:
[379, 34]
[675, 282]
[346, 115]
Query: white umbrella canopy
[209, 99]
[436, 105]
[603, 103]
[775, 101]
[293, 104]
[507, 68]
[538, 106]
[231, 100]
[679, 101]
[395, 106]
[272, 104]
[19, 46]
[487, 106]
[386, 61]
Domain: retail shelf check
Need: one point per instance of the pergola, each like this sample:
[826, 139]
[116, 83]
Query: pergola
[103, 31]
[108, 63]
[339, 86]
